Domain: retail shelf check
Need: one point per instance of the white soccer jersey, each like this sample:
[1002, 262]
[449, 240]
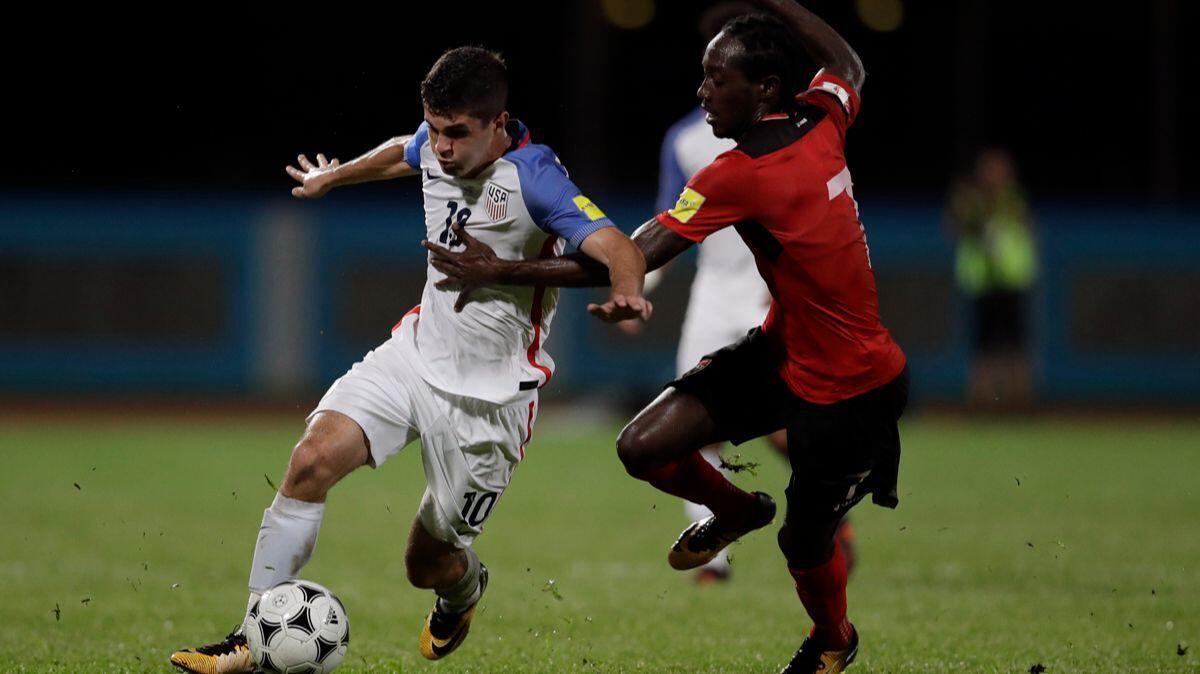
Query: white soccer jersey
[524, 207]
[728, 295]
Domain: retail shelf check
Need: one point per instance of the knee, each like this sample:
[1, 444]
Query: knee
[805, 547]
[632, 450]
[310, 475]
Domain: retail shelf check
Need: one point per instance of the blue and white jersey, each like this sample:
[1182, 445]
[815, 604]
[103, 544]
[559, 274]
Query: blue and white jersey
[524, 207]
[727, 286]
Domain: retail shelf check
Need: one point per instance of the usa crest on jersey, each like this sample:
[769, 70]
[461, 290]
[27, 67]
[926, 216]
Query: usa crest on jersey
[495, 202]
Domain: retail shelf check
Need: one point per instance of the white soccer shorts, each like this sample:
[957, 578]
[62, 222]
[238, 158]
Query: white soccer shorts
[469, 447]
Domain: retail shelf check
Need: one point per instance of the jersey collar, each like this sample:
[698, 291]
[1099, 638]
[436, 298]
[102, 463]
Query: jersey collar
[519, 134]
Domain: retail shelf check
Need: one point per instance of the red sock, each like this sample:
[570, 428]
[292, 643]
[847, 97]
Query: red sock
[695, 479]
[822, 590]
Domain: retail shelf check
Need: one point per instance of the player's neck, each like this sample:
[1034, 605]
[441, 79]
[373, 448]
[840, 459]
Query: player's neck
[760, 111]
[499, 146]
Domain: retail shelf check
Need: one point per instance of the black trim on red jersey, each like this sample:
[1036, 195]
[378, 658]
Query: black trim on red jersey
[759, 239]
[770, 135]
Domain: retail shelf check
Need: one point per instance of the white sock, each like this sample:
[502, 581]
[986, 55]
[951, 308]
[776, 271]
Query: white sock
[286, 541]
[465, 592]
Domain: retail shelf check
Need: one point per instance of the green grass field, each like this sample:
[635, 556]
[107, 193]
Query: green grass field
[1070, 544]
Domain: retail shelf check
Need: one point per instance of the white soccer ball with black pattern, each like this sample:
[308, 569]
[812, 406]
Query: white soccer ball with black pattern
[297, 627]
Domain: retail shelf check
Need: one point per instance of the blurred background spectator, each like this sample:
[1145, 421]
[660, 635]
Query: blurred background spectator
[995, 267]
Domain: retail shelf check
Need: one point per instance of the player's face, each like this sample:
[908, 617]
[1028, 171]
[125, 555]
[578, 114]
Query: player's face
[462, 143]
[729, 98]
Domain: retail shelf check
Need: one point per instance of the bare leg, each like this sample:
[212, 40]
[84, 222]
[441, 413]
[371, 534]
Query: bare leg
[452, 573]
[332, 446]
[661, 445]
[675, 425]
[432, 564]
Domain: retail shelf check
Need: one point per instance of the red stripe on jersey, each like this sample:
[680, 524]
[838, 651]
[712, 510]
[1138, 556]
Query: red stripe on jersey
[535, 313]
[410, 312]
[528, 430]
[524, 140]
[778, 115]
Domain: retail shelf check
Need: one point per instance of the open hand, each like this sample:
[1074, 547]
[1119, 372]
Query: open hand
[471, 268]
[314, 180]
[622, 307]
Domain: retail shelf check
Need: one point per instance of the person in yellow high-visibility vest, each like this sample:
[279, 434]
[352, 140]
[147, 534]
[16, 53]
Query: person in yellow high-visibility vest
[995, 266]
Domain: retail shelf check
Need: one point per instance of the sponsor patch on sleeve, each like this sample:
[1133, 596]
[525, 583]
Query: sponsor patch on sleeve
[689, 202]
[589, 209]
[843, 96]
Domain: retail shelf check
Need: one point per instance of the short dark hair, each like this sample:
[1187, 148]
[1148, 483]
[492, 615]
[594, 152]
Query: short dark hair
[469, 80]
[769, 48]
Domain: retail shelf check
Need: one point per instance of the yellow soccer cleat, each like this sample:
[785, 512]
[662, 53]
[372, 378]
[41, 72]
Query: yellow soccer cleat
[444, 631]
[700, 543]
[231, 656]
[810, 659]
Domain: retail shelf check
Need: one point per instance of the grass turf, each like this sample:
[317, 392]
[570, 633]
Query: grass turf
[1072, 545]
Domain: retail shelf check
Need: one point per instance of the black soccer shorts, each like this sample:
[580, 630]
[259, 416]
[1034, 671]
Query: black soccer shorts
[839, 452]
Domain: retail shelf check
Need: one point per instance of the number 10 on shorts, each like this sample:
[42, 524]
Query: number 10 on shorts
[477, 507]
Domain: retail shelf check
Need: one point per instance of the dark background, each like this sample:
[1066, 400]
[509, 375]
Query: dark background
[149, 244]
[1087, 96]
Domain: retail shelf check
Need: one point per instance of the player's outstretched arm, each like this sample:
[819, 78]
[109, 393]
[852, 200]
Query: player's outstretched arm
[383, 163]
[626, 274]
[477, 265]
[829, 49]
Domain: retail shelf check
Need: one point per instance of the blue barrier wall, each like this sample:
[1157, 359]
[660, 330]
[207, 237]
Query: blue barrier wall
[1116, 315]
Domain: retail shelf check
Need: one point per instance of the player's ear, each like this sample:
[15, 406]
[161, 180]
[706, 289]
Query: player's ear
[768, 88]
[501, 121]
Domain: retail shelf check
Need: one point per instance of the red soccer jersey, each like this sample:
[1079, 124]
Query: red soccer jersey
[787, 191]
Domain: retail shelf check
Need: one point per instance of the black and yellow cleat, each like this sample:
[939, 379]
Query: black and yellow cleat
[703, 540]
[810, 659]
[444, 631]
[231, 656]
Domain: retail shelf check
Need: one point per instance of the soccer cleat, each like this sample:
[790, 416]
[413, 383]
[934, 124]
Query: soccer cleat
[444, 631]
[810, 659]
[703, 540]
[231, 656]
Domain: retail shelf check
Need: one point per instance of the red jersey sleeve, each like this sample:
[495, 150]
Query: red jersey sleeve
[719, 195]
[835, 96]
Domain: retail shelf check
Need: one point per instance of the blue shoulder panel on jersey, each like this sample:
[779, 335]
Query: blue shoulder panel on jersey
[554, 202]
[671, 179]
[412, 151]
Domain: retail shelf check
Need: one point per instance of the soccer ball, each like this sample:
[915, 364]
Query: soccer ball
[297, 627]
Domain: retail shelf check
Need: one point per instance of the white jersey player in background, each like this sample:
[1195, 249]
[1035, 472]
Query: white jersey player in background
[465, 383]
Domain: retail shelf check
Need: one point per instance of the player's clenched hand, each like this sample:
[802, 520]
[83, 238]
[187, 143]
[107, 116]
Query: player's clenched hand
[474, 266]
[622, 307]
[315, 180]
